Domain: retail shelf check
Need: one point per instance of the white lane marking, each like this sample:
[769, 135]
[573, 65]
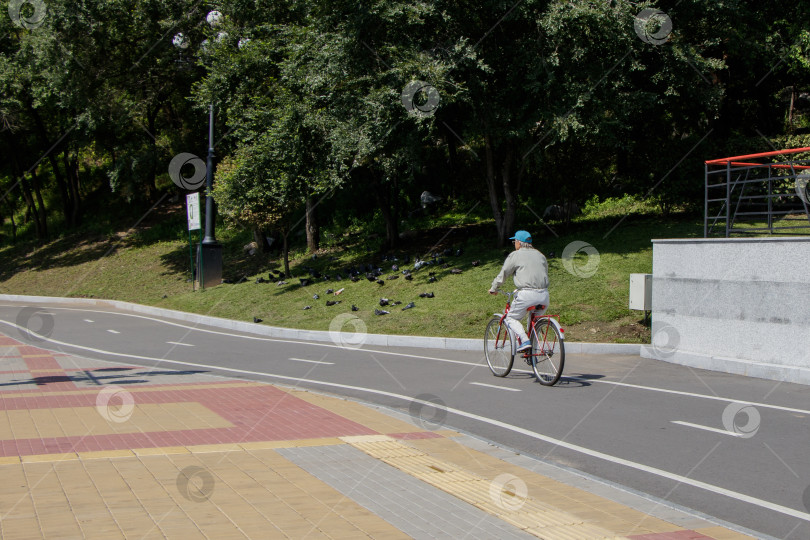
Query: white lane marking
[707, 428]
[89, 320]
[313, 361]
[110, 330]
[181, 344]
[491, 421]
[446, 360]
[690, 394]
[494, 386]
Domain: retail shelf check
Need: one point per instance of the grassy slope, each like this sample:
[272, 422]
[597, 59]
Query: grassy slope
[145, 266]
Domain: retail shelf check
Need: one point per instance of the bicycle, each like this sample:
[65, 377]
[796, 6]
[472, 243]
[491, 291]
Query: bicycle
[546, 355]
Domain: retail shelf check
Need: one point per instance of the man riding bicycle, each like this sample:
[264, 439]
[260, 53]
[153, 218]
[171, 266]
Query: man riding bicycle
[529, 269]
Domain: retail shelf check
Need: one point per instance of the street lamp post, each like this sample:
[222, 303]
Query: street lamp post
[209, 251]
[209, 255]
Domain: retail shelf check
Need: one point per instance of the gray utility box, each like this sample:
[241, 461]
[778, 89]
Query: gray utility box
[641, 292]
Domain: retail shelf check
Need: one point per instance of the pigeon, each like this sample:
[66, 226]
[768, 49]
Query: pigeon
[409, 277]
[332, 302]
[257, 320]
[242, 280]
[447, 251]
[426, 295]
[551, 254]
[355, 308]
[432, 279]
[383, 302]
[304, 282]
[396, 303]
[381, 312]
[431, 273]
[409, 306]
[459, 252]
[338, 278]
[380, 282]
[476, 263]
[280, 283]
[371, 277]
[455, 271]
[445, 265]
[395, 268]
[260, 280]
[315, 296]
[316, 275]
[440, 260]
[393, 276]
[355, 279]
[307, 307]
[419, 264]
[329, 291]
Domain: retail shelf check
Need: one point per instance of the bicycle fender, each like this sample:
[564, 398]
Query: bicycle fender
[559, 327]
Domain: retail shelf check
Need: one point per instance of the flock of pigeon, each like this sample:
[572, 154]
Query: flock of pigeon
[374, 274]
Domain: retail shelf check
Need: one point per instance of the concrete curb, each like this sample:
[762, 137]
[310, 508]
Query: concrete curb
[384, 340]
[736, 366]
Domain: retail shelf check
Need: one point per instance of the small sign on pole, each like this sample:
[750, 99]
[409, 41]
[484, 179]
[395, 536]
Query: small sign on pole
[193, 209]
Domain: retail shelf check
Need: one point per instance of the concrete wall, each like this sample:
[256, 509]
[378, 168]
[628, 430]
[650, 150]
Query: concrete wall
[737, 305]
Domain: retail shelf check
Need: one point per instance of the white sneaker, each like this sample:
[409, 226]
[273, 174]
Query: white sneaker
[524, 346]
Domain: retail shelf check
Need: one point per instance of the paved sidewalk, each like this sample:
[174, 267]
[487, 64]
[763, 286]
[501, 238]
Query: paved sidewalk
[100, 450]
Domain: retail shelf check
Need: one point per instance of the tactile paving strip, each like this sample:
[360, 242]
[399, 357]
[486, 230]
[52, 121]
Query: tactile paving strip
[487, 494]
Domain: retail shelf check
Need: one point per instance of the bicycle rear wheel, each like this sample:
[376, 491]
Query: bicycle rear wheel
[548, 352]
[498, 348]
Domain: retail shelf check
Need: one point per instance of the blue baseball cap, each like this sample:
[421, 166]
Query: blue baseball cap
[523, 236]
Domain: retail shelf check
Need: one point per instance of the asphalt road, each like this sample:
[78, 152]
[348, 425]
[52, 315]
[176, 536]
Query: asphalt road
[731, 447]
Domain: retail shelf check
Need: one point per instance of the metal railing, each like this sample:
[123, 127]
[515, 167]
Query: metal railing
[758, 193]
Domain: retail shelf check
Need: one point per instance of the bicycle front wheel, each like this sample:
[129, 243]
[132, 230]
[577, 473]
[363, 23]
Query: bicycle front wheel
[548, 353]
[498, 348]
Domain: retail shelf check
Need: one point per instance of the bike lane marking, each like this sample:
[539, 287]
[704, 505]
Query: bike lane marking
[706, 428]
[495, 386]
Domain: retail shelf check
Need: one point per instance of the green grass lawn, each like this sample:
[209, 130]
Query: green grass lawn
[151, 266]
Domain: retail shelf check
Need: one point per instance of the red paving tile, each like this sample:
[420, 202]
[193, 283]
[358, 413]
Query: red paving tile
[258, 413]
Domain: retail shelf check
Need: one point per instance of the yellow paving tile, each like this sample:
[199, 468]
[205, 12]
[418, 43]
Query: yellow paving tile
[9, 460]
[206, 448]
[49, 457]
[80, 421]
[293, 443]
[721, 533]
[160, 451]
[105, 454]
[356, 412]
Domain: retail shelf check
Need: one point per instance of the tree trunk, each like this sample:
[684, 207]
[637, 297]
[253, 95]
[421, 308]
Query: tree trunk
[286, 250]
[313, 231]
[13, 229]
[32, 208]
[42, 132]
[493, 193]
[383, 197]
[509, 194]
[72, 172]
[38, 193]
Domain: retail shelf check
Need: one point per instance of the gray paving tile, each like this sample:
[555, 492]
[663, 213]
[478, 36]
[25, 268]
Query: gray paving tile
[416, 508]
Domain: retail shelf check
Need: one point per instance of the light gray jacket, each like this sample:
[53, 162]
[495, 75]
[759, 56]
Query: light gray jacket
[529, 268]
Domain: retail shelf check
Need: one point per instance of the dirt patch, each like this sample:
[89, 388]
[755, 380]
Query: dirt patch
[625, 330]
